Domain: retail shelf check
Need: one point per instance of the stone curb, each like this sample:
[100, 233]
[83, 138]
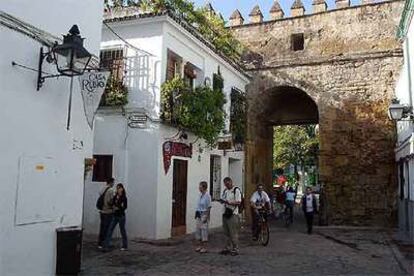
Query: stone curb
[401, 260]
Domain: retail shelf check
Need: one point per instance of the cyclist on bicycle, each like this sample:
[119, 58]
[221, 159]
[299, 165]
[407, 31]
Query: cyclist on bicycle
[260, 204]
[290, 202]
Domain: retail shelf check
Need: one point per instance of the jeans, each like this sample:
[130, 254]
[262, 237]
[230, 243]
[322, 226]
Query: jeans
[121, 220]
[289, 208]
[106, 220]
[309, 221]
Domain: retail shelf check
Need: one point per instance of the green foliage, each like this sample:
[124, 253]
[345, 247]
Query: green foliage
[199, 111]
[209, 25]
[297, 145]
[116, 93]
[171, 92]
[238, 116]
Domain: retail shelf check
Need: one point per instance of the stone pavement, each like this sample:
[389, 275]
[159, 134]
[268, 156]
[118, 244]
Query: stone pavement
[329, 251]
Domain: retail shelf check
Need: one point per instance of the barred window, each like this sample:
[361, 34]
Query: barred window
[113, 60]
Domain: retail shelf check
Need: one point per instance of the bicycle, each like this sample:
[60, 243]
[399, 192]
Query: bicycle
[263, 229]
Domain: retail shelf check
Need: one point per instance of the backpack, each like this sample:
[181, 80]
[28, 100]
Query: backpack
[101, 199]
[241, 205]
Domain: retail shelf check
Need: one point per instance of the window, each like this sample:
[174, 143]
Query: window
[189, 74]
[113, 60]
[215, 177]
[218, 82]
[174, 63]
[102, 170]
[298, 42]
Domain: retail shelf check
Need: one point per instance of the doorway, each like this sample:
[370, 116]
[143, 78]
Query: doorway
[179, 197]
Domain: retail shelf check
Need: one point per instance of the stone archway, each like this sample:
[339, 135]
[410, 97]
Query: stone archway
[274, 99]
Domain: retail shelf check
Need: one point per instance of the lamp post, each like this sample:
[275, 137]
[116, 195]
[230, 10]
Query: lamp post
[70, 57]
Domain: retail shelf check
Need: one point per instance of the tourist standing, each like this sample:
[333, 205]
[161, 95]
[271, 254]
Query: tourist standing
[202, 217]
[104, 205]
[120, 204]
[309, 207]
[231, 198]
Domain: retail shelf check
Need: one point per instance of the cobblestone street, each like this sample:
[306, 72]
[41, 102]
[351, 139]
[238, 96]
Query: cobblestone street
[329, 251]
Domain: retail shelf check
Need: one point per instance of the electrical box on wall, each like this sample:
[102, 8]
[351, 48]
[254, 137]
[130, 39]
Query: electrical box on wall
[37, 180]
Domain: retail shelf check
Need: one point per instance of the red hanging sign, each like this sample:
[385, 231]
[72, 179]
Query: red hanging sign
[170, 149]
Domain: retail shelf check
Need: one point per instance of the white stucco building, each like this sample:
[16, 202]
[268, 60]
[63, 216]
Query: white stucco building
[404, 150]
[160, 204]
[41, 163]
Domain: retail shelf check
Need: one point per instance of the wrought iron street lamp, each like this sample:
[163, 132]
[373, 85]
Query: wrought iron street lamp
[397, 111]
[70, 57]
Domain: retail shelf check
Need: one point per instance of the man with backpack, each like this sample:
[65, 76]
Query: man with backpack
[232, 200]
[104, 205]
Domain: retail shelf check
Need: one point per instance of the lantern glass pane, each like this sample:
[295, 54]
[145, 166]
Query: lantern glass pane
[396, 113]
[65, 63]
[80, 64]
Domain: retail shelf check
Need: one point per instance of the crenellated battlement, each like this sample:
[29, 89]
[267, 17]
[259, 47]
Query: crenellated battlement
[297, 10]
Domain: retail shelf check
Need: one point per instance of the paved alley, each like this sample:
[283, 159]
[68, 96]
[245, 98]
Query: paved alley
[329, 251]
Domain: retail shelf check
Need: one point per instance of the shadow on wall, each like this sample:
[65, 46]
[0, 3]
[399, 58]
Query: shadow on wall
[142, 81]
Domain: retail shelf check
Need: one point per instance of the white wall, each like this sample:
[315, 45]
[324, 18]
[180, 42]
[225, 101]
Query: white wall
[34, 124]
[143, 62]
[150, 215]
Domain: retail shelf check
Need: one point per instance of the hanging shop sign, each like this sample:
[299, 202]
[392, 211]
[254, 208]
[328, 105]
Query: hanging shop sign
[170, 149]
[225, 145]
[92, 86]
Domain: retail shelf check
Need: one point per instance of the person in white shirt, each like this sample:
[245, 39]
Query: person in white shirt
[202, 217]
[259, 202]
[309, 207]
[231, 198]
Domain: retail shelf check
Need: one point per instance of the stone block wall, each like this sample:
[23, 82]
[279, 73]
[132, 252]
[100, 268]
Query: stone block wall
[349, 66]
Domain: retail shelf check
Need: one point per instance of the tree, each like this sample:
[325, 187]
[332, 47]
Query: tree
[296, 145]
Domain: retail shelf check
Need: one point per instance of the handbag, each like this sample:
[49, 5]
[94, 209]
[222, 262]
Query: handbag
[228, 213]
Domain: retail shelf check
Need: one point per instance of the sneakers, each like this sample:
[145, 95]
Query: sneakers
[198, 249]
[203, 250]
[124, 249]
[234, 253]
[100, 247]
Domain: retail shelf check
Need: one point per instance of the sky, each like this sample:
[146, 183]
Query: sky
[226, 7]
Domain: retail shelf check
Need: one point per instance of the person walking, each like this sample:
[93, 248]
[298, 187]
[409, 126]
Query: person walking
[120, 204]
[309, 207]
[290, 202]
[202, 217]
[105, 210]
[231, 198]
[259, 202]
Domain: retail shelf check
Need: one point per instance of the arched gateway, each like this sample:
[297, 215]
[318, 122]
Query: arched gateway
[338, 69]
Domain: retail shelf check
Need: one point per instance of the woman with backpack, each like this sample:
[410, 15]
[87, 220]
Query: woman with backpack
[120, 204]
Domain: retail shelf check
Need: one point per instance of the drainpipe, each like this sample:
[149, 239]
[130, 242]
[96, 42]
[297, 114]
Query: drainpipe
[407, 54]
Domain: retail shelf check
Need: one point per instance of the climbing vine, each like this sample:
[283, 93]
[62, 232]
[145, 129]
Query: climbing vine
[238, 116]
[199, 111]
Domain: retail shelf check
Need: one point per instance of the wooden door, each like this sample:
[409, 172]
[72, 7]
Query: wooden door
[179, 197]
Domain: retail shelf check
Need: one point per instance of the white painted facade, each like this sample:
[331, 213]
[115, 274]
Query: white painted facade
[404, 150]
[137, 152]
[41, 163]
